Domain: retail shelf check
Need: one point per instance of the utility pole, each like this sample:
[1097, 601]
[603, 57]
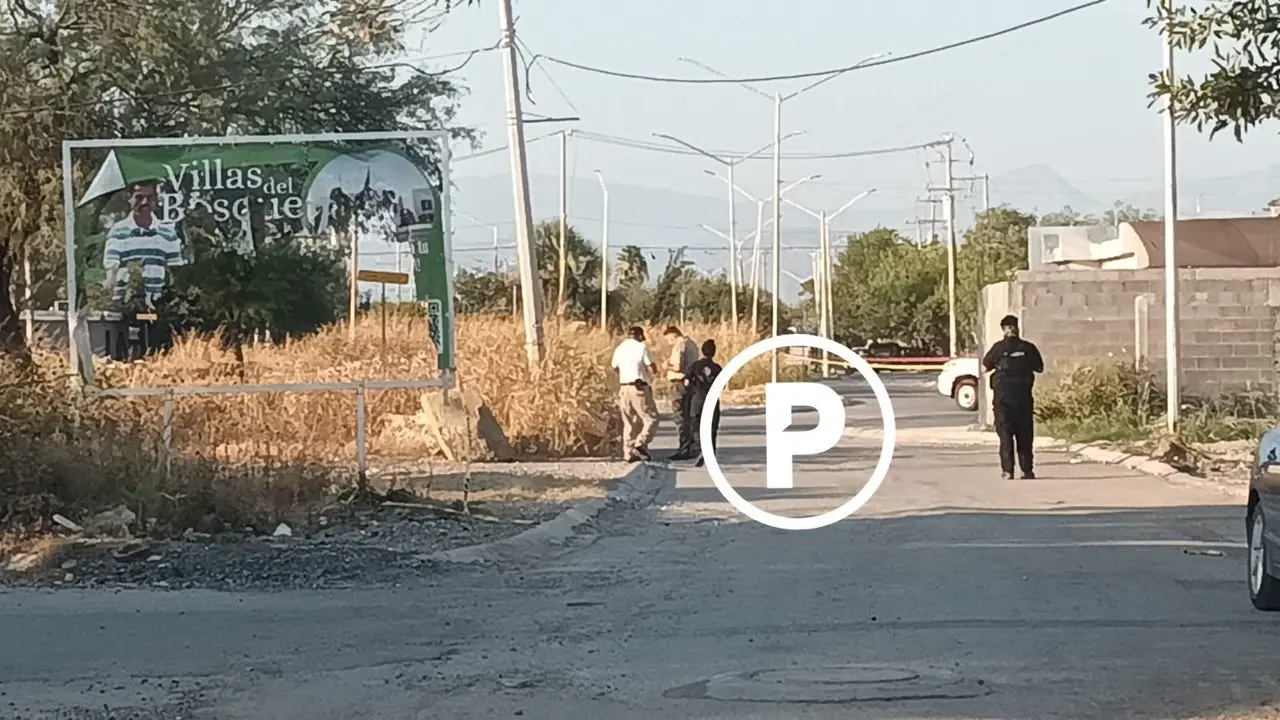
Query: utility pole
[527, 253]
[564, 218]
[948, 192]
[986, 186]
[733, 253]
[1173, 393]
[604, 253]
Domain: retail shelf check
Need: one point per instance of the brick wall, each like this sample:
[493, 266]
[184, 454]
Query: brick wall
[1229, 336]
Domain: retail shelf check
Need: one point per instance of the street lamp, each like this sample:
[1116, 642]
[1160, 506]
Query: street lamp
[604, 252]
[778, 99]
[733, 226]
[760, 225]
[1173, 389]
[826, 304]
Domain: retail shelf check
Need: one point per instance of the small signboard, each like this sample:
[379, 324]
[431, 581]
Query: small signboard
[381, 276]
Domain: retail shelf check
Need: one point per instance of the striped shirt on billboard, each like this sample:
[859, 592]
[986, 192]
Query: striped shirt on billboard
[153, 249]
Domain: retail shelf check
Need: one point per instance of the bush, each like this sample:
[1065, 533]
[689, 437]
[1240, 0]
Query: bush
[1121, 403]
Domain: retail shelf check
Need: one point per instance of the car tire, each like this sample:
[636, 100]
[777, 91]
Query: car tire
[1264, 590]
[965, 394]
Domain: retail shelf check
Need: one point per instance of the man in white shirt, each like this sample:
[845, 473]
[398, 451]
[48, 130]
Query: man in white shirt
[635, 395]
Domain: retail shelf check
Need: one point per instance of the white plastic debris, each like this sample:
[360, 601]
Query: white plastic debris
[283, 530]
[64, 522]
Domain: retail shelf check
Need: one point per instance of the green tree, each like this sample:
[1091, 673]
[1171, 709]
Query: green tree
[994, 248]
[632, 268]
[283, 289]
[1243, 88]
[487, 293]
[582, 285]
[885, 288]
[1118, 212]
[102, 68]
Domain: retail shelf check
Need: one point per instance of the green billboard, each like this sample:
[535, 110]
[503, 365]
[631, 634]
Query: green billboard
[147, 202]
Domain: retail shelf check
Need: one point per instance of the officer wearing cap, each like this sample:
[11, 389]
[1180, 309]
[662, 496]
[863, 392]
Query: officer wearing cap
[1013, 364]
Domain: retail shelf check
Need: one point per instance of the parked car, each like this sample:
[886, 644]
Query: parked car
[1262, 524]
[959, 381]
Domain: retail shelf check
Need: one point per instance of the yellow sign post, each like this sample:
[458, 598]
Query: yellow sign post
[384, 278]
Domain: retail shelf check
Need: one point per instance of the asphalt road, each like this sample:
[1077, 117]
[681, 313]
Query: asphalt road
[1091, 592]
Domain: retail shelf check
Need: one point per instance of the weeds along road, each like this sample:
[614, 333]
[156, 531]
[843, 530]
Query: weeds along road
[1089, 593]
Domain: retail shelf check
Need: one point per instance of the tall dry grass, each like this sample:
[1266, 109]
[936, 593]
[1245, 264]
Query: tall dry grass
[258, 458]
[566, 408]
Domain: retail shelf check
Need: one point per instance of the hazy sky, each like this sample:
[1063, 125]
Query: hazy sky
[1070, 93]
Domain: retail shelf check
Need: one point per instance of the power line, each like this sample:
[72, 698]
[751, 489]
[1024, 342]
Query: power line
[646, 145]
[676, 150]
[823, 73]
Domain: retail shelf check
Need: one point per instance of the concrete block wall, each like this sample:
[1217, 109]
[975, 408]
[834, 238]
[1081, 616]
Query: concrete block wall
[1229, 332]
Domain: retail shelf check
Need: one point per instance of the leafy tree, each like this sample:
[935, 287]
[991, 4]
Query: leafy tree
[1243, 89]
[486, 293]
[283, 289]
[1118, 212]
[994, 248]
[582, 285]
[632, 268]
[103, 68]
[884, 288]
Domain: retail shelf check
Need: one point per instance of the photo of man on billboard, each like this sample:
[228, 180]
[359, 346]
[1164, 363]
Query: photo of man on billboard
[141, 240]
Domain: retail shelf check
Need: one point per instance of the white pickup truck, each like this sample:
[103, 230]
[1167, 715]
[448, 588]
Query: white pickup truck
[959, 381]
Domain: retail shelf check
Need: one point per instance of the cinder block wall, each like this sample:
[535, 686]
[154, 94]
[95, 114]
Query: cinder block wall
[1229, 336]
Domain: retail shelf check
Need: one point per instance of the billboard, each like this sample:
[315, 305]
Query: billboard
[151, 205]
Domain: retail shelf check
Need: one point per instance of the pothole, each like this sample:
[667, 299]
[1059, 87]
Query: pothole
[833, 684]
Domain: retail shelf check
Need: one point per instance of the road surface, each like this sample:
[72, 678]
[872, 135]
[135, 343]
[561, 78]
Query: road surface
[1091, 592]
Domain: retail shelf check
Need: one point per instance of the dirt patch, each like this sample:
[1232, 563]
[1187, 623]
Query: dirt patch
[376, 537]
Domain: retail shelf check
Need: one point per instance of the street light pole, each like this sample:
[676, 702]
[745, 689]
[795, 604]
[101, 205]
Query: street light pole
[1173, 393]
[604, 253]
[760, 225]
[824, 251]
[733, 245]
[777, 226]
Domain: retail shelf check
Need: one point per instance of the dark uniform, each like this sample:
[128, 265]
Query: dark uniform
[700, 378]
[1013, 364]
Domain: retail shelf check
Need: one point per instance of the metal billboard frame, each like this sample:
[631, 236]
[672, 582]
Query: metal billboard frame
[447, 379]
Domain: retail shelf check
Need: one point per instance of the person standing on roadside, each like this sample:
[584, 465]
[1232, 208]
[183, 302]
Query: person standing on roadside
[701, 376]
[1013, 364]
[684, 353]
[635, 369]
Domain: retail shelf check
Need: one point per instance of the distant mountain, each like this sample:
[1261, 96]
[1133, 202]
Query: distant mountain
[1040, 189]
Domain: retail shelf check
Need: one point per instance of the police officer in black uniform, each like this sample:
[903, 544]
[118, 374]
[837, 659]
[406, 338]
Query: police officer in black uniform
[1013, 364]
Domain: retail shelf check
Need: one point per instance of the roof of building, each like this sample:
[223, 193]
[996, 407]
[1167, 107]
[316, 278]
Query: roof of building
[1216, 242]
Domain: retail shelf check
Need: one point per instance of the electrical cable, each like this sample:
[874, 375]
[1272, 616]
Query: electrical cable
[677, 150]
[823, 73]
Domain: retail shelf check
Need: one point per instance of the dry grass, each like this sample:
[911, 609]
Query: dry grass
[566, 409]
[265, 458]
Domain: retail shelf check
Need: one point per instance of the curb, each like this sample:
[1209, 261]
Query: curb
[637, 488]
[1093, 452]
